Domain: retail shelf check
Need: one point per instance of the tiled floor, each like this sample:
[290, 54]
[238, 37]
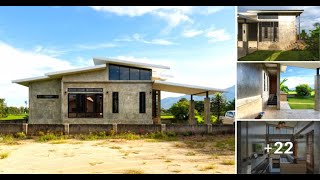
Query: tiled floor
[273, 113]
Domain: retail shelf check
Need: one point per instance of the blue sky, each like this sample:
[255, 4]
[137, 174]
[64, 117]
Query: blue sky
[310, 15]
[297, 76]
[196, 42]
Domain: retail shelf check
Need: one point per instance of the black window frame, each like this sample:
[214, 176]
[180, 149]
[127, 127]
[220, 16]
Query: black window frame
[115, 102]
[142, 102]
[81, 105]
[140, 71]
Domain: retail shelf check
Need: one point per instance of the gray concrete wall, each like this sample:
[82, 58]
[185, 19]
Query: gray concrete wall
[89, 128]
[128, 103]
[251, 97]
[287, 34]
[138, 128]
[34, 129]
[10, 128]
[100, 75]
[45, 111]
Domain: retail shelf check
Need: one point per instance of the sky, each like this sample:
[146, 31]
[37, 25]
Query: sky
[297, 76]
[310, 15]
[198, 43]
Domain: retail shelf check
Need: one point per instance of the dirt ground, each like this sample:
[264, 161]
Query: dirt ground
[146, 156]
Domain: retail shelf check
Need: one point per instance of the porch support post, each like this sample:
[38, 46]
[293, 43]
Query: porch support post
[245, 37]
[207, 109]
[317, 91]
[278, 86]
[159, 108]
[299, 28]
[191, 112]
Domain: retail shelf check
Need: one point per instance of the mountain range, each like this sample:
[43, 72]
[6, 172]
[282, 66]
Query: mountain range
[166, 103]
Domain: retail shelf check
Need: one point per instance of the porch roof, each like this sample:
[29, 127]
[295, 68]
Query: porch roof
[185, 88]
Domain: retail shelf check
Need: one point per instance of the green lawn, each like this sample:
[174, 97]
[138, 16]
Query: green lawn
[167, 117]
[301, 102]
[14, 117]
[265, 55]
[294, 92]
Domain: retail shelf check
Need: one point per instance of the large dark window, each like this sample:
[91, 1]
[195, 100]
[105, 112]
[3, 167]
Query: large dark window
[115, 102]
[142, 102]
[114, 72]
[269, 31]
[85, 105]
[128, 73]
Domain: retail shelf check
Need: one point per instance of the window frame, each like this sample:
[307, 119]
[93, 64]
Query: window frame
[130, 78]
[84, 107]
[115, 110]
[142, 102]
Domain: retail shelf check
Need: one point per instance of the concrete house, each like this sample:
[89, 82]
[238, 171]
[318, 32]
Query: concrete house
[111, 91]
[258, 90]
[268, 30]
[255, 136]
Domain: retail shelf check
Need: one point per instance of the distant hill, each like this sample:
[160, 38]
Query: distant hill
[166, 103]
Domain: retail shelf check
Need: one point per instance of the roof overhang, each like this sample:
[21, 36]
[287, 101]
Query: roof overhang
[246, 19]
[185, 88]
[26, 81]
[295, 12]
[99, 61]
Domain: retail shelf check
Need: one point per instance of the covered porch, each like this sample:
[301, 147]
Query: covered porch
[191, 90]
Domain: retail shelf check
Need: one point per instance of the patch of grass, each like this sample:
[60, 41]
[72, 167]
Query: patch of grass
[127, 136]
[15, 117]
[133, 171]
[179, 145]
[215, 156]
[168, 160]
[95, 163]
[228, 162]
[115, 147]
[301, 102]
[176, 171]
[20, 135]
[208, 167]
[6, 138]
[278, 55]
[162, 136]
[4, 155]
[48, 137]
[167, 117]
[225, 144]
[58, 142]
[190, 154]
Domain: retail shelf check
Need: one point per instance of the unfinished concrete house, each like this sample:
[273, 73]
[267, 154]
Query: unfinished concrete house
[258, 92]
[267, 30]
[258, 142]
[111, 91]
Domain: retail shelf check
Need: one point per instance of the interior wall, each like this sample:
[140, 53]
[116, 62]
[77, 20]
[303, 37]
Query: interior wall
[273, 84]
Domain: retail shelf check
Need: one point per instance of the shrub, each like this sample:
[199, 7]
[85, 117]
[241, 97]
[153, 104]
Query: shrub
[303, 90]
[20, 135]
[180, 110]
[48, 137]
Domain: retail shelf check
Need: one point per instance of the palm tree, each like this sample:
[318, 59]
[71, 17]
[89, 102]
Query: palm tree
[283, 87]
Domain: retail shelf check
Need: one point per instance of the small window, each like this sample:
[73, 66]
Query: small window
[115, 102]
[142, 102]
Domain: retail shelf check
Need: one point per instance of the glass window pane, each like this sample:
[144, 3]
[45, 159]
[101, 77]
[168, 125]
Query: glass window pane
[90, 102]
[142, 103]
[124, 73]
[72, 104]
[134, 74]
[145, 74]
[115, 102]
[114, 72]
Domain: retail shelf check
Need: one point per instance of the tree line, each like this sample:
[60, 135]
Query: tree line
[5, 110]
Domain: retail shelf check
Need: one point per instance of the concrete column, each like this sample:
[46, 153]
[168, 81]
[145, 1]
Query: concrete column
[207, 110]
[278, 86]
[115, 128]
[317, 92]
[209, 126]
[66, 128]
[163, 128]
[25, 128]
[159, 108]
[191, 113]
[245, 38]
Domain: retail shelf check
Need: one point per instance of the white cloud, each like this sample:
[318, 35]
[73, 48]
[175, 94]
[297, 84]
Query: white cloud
[218, 35]
[174, 15]
[53, 52]
[214, 9]
[292, 82]
[95, 46]
[20, 64]
[137, 37]
[192, 33]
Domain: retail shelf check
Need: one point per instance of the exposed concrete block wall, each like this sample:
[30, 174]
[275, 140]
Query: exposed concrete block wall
[287, 34]
[128, 103]
[10, 128]
[45, 111]
[138, 128]
[34, 129]
[180, 129]
[89, 76]
[87, 128]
